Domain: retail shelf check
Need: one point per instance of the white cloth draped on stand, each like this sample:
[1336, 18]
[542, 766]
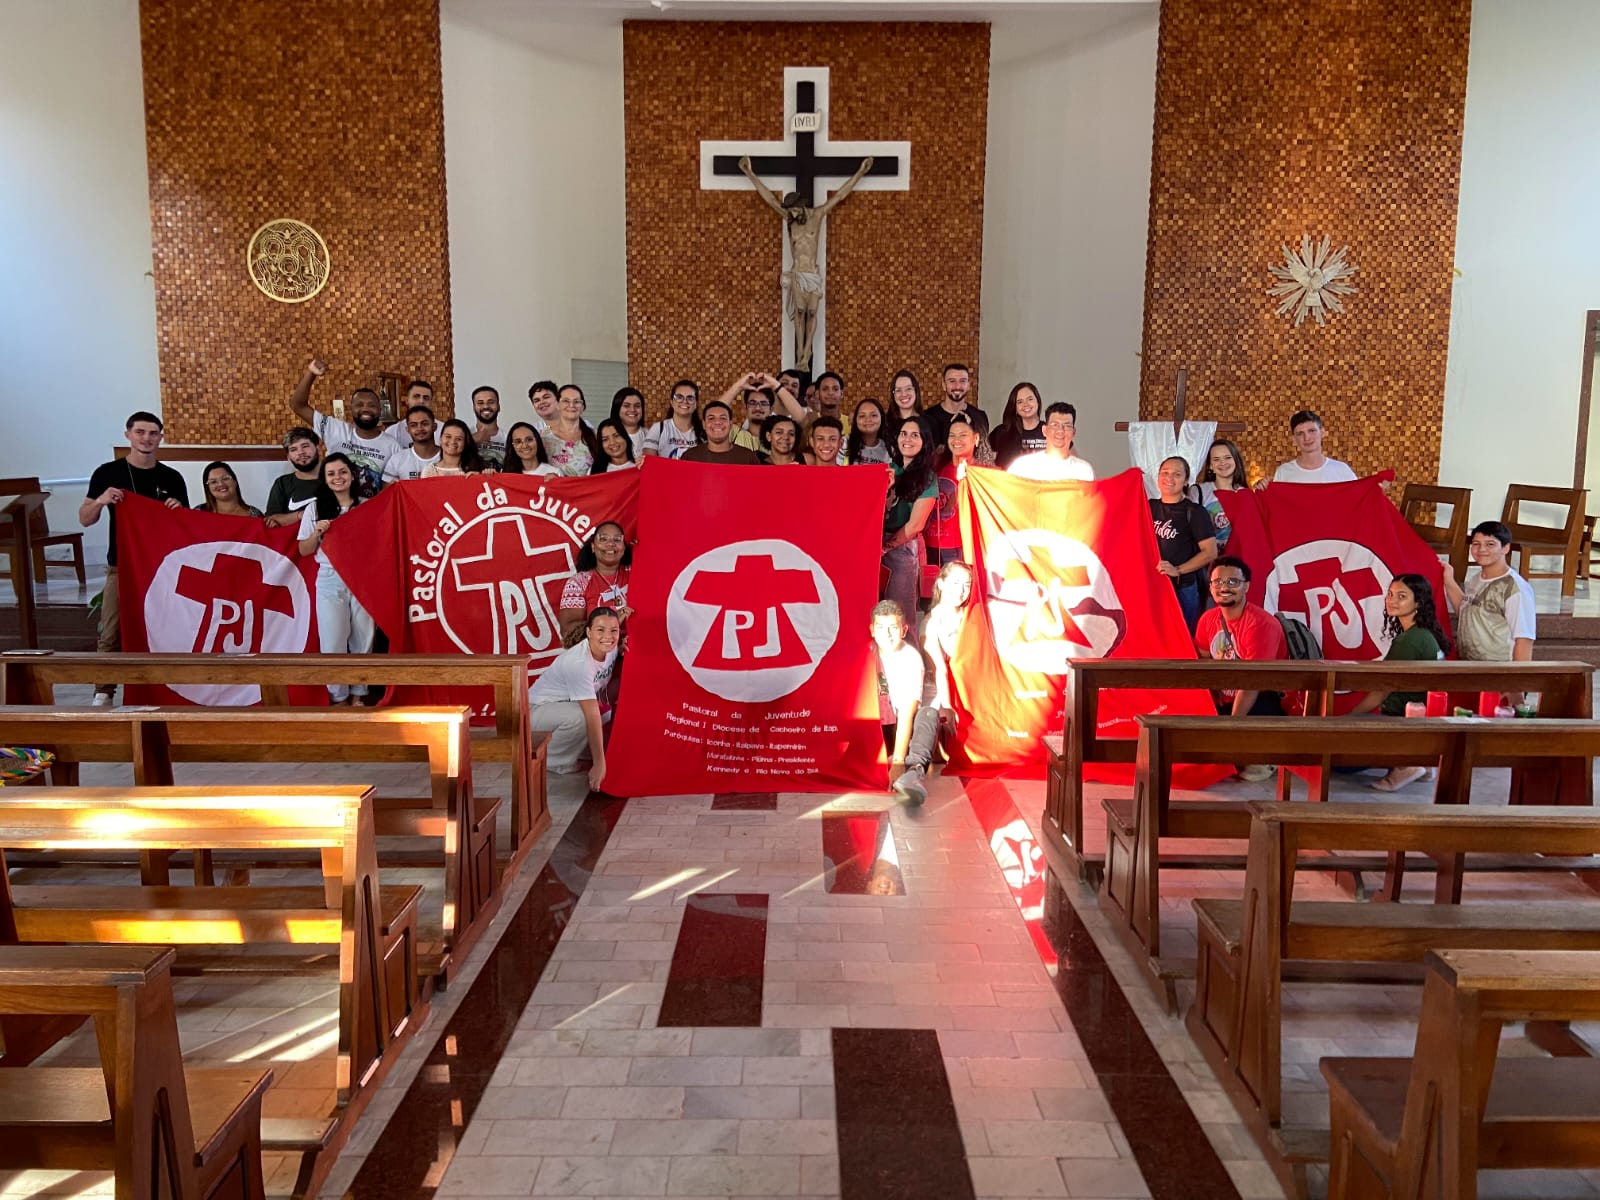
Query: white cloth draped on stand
[1149, 442]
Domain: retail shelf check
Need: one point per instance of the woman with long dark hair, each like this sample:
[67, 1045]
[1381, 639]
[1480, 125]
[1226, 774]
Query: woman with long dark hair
[911, 499]
[1223, 472]
[222, 492]
[1411, 620]
[525, 453]
[905, 400]
[616, 448]
[1185, 540]
[627, 409]
[1021, 429]
[869, 439]
[952, 593]
[343, 626]
[458, 453]
[603, 568]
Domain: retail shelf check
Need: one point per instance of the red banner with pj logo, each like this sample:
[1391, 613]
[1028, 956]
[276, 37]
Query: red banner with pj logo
[194, 582]
[1325, 553]
[474, 564]
[1060, 571]
[750, 665]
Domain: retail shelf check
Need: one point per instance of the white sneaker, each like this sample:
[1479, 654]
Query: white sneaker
[912, 785]
[1255, 773]
[103, 700]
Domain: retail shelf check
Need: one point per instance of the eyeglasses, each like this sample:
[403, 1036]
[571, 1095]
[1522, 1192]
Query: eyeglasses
[1060, 425]
[682, 396]
[610, 541]
[1228, 583]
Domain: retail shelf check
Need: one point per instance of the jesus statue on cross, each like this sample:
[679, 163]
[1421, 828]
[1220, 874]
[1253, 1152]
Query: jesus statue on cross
[802, 283]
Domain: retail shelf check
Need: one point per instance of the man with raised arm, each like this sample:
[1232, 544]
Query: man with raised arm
[361, 439]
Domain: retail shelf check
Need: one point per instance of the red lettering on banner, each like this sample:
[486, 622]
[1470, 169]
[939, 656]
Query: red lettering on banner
[736, 640]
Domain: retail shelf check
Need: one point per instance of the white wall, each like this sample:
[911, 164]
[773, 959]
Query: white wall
[534, 166]
[1527, 247]
[1067, 198]
[77, 313]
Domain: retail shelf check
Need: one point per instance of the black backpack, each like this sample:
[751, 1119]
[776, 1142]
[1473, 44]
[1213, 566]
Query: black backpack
[1299, 639]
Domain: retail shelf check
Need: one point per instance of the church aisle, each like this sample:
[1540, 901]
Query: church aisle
[909, 1044]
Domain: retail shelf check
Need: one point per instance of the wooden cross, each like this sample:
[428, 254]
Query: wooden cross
[1178, 407]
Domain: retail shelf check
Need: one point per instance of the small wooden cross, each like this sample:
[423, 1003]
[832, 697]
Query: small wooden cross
[1179, 405]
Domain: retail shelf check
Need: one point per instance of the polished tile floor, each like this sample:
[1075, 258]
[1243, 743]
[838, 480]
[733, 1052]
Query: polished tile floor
[830, 996]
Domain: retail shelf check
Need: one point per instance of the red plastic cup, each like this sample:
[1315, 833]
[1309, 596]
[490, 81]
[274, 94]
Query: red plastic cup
[1438, 704]
[1487, 703]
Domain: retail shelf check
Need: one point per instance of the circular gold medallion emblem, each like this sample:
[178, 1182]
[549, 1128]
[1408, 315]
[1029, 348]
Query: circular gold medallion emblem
[288, 260]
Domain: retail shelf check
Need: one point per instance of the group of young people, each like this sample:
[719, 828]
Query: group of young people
[337, 461]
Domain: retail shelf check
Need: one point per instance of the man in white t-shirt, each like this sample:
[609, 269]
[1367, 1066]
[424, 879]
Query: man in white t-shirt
[418, 395]
[1495, 620]
[361, 439]
[1056, 461]
[568, 699]
[1310, 464]
[488, 436]
[903, 687]
[408, 463]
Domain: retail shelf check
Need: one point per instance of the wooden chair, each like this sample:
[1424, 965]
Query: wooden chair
[40, 534]
[154, 739]
[1564, 540]
[1246, 945]
[169, 1132]
[1423, 1127]
[1449, 539]
[374, 926]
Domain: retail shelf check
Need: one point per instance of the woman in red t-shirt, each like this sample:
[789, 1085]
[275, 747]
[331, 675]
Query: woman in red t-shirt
[942, 533]
[601, 579]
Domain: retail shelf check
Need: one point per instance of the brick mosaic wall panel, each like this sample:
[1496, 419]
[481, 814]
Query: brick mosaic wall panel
[1276, 118]
[903, 267]
[326, 111]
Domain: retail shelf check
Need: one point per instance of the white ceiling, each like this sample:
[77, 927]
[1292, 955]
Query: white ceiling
[1021, 28]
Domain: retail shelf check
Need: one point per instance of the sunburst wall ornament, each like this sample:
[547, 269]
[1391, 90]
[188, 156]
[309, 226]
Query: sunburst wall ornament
[1313, 280]
[288, 260]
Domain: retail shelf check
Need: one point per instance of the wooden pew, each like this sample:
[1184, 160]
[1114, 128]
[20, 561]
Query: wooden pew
[166, 1130]
[1565, 689]
[1423, 1127]
[1236, 1018]
[153, 739]
[31, 678]
[1136, 827]
[374, 926]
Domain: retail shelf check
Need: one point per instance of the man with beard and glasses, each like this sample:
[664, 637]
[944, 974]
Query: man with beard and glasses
[957, 390]
[488, 436]
[361, 439]
[297, 487]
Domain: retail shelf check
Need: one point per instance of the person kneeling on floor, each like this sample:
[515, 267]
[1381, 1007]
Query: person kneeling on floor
[910, 726]
[1233, 628]
[569, 700]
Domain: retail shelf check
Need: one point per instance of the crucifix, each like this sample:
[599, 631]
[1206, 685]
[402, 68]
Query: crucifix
[1179, 404]
[809, 160]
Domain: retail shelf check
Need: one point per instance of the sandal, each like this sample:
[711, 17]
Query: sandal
[1399, 778]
